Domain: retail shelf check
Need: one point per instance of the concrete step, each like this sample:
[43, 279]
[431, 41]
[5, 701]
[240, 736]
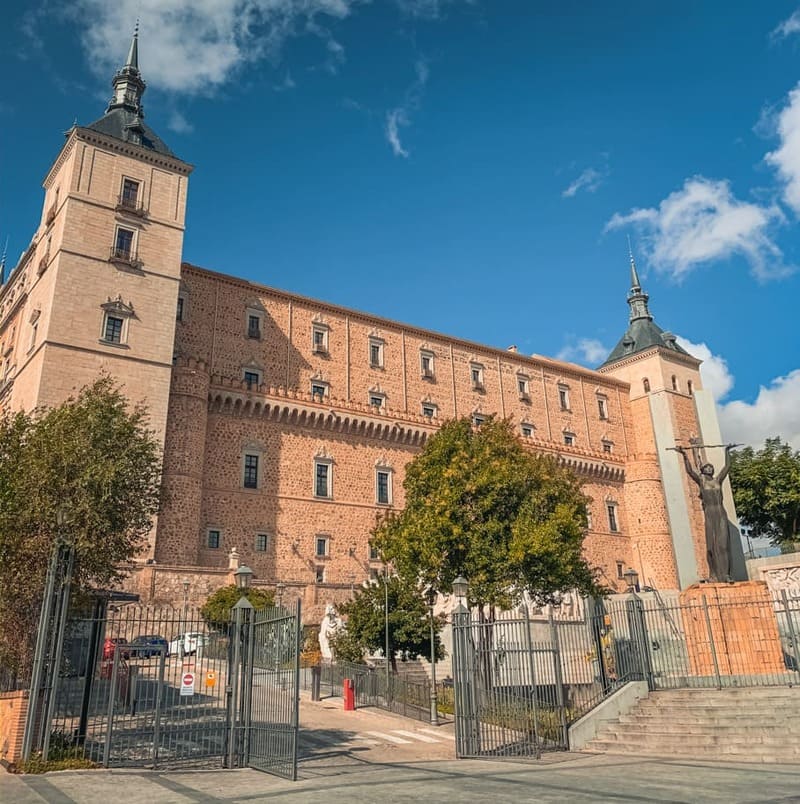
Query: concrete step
[790, 730]
[744, 708]
[676, 740]
[751, 753]
[778, 721]
[730, 693]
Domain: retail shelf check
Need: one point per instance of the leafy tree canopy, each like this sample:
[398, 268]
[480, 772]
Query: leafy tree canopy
[217, 609]
[479, 504]
[92, 462]
[409, 623]
[766, 490]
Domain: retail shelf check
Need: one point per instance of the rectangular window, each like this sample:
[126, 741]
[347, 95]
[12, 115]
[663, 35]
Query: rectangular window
[130, 194]
[375, 353]
[319, 340]
[620, 570]
[213, 539]
[261, 542]
[477, 420]
[322, 479]
[612, 517]
[429, 411]
[383, 487]
[34, 333]
[527, 430]
[569, 439]
[319, 391]
[123, 245]
[319, 575]
[321, 546]
[374, 555]
[251, 471]
[476, 373]
[602, 407]
[374, 574]
[113, 329]
[252, 378]
[523, 387]
[377, 400]
[563, 397]
[607, 447]
[426, 365]
[588, 520]
[253, 326]
[179, 311]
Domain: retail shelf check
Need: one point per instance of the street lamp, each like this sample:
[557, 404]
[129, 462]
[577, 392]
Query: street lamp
[431, 596]
[631, 578]
[243, 576]
[460, 588]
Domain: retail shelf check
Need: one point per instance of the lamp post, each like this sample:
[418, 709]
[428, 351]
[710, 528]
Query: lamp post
[242, 578]
[386, 626]
[467, 727]
[460, 587]
[431, 596]
[631, 578]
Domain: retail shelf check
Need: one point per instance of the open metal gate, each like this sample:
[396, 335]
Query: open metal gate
[270, 701]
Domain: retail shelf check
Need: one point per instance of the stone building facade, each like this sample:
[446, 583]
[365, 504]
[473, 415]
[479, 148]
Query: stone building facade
[287, 422]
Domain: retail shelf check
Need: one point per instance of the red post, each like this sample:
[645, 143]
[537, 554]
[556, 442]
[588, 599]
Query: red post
[349, 694]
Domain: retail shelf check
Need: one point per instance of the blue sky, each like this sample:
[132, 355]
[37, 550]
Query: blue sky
[469, 167]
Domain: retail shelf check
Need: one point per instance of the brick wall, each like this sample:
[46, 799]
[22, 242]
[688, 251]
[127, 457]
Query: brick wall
[13, 710]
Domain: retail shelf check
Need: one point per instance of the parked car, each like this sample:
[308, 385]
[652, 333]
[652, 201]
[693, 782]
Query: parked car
[146, 646]
[187, 644]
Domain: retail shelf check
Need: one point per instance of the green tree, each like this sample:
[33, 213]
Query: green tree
[93, 463]
[766, 490]
[409, 623]
[217, 608]
[479, 504]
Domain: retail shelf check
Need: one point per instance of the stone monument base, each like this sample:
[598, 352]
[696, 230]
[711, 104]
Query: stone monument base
[734, 624]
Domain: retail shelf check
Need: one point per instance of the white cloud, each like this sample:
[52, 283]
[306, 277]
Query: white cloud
[786, 159]
[714, 370]
[587, 351]
[193, 46]
[179, 124]
[589, 180]
[426, 9]
[400, 116]
[789, 26]
[704, 221]
[775, 412]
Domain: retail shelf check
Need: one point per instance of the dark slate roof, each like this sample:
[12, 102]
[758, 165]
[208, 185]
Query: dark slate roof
[113, 123]
[642, 334]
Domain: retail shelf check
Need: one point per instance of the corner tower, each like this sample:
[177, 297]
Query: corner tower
[669, 406]
[97, 289]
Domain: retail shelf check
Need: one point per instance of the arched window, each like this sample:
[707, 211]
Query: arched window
[646, 384]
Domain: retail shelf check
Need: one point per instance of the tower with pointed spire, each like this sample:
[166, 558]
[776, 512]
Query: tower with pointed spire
[97, 289]
[668, 406]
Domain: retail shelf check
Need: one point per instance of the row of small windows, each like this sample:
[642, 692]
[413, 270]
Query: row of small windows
[674, 383]
[261, 544]
[323, 478]
[611, 515]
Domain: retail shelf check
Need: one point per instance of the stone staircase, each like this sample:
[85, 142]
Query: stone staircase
[753, 724]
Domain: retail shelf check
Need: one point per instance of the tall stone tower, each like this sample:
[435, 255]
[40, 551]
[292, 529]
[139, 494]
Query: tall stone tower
[669, 407]
[97, 289]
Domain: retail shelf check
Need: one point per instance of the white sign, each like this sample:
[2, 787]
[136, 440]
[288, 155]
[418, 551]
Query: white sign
[187, 684]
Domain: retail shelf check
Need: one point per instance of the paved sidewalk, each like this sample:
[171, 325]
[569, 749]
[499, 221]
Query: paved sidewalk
[559, 778]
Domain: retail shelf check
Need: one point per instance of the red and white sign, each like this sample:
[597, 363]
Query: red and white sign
[187, 684]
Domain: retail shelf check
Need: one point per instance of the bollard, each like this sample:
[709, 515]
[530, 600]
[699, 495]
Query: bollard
[349, 695]
[316, 681]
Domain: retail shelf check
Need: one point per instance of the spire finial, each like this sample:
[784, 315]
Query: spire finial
[635, 284]
[133, 52]
[3, 263]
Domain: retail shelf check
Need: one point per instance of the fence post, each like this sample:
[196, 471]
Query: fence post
[711, 643]
[637, 627]
[792, 633]
[112, 698]
[559, 680]
[467, 743]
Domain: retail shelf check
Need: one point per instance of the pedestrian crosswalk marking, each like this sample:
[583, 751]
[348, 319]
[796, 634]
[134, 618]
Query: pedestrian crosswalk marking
[442, 735]
[389, 737]
[416, 736]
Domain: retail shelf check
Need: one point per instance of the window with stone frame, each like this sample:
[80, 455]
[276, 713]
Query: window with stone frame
[323, 478]
[252, 377]
[383, 486]
[124, 242]
[429, 410]
[319, 574]
[376, 347]
[377, 399]
[322, 546]
[569, 439]
[254, 326]
[115, 324]
[613, 521]
[526, 429]
[478, 419]
[319, 339]
[563, 397]
[129, 197]
[374, 553]
[476, 376]
[319, 390]
[524, 387]
[608, 446]
[426, 364]
[179, 310]
[262, 542]
[602, 406]
[213, 538]
[620, 570]
[250, 470]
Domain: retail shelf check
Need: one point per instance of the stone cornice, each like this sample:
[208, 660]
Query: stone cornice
[515, 360]
[669, 354]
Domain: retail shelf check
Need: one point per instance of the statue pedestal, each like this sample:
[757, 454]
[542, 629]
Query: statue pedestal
[734, 623]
